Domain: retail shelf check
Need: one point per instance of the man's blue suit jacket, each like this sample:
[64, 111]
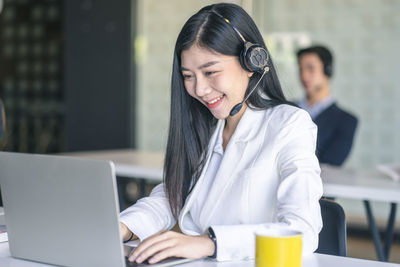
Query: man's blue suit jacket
[336, 129]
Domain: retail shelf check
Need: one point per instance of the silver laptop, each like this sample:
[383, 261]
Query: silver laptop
[64, 211]
[61, 210]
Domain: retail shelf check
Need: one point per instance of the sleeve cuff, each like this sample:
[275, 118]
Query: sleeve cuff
[140, 226]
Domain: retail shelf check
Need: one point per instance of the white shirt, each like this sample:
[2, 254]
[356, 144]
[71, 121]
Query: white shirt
[317, 108]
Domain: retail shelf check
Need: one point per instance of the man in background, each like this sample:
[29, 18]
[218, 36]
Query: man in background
[336, 127]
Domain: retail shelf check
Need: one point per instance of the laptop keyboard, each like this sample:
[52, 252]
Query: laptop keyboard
[167, 262]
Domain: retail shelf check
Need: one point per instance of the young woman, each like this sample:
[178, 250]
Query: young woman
[227, 176]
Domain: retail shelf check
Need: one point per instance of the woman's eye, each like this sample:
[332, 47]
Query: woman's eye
[187, 76]
[209, 73]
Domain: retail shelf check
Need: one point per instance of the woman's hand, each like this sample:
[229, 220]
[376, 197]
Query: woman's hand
[126, 233]
[167, 244]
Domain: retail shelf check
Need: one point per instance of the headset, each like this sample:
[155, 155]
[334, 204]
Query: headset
[328, 70]
[253, 58]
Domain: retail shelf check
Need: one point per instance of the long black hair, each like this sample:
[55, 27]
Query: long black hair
[191, 123]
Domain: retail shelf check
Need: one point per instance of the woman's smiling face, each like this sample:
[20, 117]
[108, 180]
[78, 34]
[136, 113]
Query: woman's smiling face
[216, 80]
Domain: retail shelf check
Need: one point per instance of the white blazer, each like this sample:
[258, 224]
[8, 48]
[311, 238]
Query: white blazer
[269, 176]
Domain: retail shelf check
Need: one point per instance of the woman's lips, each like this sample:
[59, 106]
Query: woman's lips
[215, 102]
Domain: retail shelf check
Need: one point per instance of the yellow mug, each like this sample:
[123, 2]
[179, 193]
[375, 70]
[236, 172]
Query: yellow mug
[278, 248]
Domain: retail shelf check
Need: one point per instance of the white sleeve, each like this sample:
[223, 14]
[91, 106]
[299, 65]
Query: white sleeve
[149, 215]
[300, 187]
[298, 194]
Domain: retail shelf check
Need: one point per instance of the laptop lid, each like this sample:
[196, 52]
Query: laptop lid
[61, 210]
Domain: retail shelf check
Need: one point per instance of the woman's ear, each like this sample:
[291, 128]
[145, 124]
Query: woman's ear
[249, 74]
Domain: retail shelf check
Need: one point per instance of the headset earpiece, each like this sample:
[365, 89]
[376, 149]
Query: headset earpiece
[328, 70]
[253, 57]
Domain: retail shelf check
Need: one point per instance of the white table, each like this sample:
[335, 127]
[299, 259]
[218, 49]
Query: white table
[129, 162]
[367, 185]
[359, 184]
[314, 260]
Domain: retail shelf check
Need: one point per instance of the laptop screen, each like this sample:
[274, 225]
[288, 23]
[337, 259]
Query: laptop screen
[61, 210]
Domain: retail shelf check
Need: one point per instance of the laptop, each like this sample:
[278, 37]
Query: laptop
[62, 210]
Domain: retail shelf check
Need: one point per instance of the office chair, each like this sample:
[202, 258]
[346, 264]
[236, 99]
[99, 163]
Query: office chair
[333, 237]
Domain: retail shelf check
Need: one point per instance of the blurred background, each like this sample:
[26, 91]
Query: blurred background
[94, 75]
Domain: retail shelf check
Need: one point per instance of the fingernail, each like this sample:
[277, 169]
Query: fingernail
[139, 259]
[132, 257]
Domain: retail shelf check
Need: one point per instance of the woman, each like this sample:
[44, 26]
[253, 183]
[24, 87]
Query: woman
[227, 176]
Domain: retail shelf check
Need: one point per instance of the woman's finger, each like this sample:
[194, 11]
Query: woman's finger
[164, 254]
[148, 242]
[156, 248]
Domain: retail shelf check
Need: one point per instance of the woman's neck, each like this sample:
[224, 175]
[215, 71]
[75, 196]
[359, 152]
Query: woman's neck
[230, 126]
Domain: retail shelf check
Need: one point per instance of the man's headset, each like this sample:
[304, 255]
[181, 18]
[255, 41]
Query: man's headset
[328, 70]
[253, 58]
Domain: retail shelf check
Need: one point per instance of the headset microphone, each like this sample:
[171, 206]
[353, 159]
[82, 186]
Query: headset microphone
[239, 106]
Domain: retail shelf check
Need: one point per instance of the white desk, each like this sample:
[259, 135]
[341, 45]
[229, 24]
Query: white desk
[359, 184]
[129, 162]
[367, 185]
[314, 260]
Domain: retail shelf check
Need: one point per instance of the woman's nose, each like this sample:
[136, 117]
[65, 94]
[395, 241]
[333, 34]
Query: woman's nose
[202, 87]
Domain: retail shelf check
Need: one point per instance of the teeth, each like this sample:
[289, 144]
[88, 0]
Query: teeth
[215, 100]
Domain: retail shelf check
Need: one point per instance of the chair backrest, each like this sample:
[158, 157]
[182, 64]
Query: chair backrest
[333, 237]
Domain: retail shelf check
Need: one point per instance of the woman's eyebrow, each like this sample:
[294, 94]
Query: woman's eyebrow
[208, 64]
